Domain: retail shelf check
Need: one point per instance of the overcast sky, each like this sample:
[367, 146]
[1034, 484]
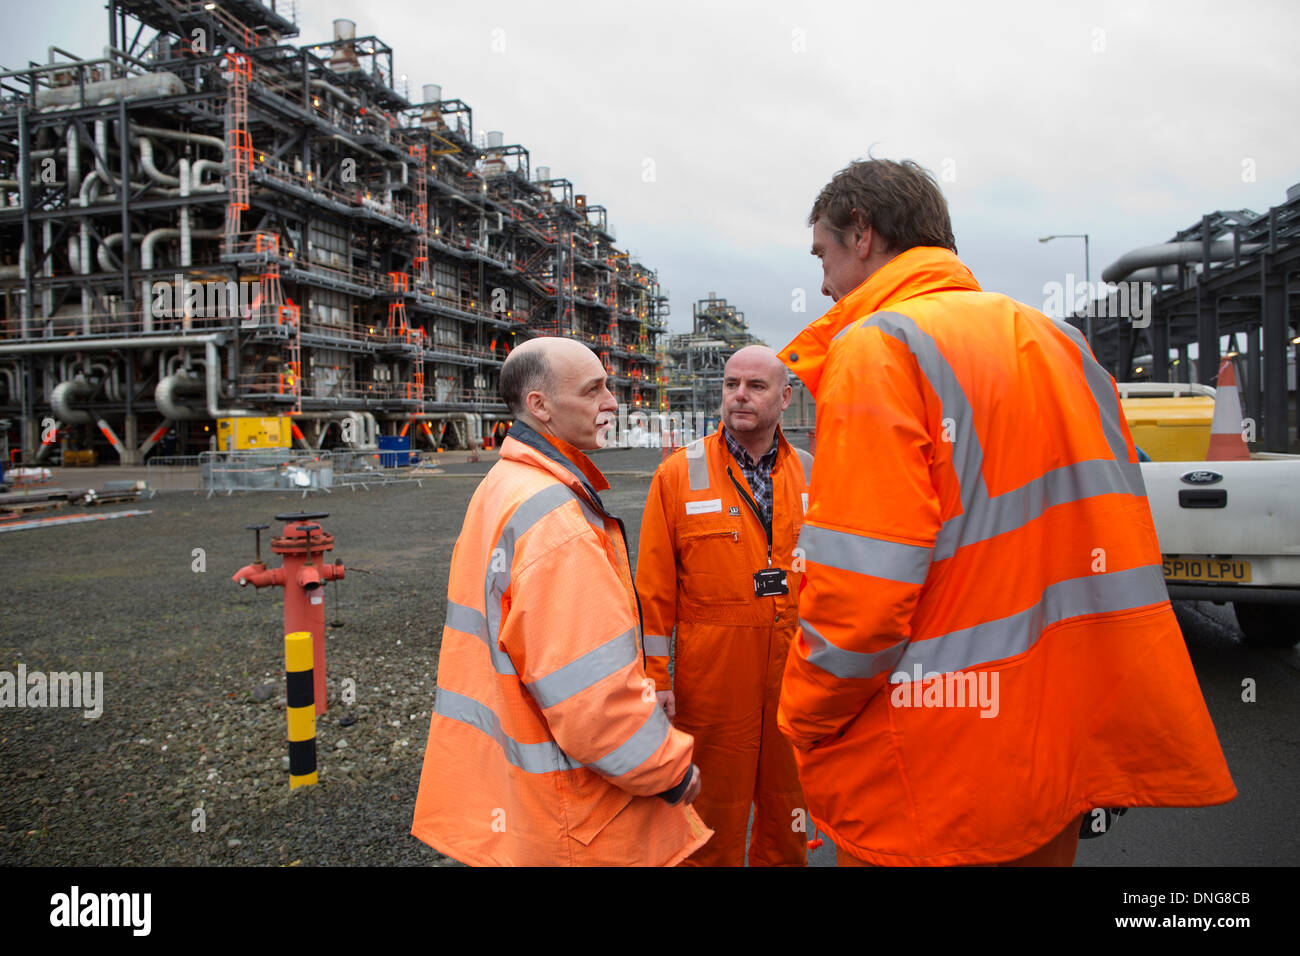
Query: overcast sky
[707, 128]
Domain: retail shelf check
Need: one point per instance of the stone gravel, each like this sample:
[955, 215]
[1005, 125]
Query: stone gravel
[188, 763]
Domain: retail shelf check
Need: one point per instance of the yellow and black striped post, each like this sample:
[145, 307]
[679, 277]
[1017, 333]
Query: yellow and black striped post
[301, 710]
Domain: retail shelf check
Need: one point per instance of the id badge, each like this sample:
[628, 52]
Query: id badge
[770, 582]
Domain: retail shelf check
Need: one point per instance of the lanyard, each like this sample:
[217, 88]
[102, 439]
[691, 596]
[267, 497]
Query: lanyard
[753, 506]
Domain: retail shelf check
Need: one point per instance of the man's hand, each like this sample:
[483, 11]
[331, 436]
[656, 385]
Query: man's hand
[667, 701]
[692, 788]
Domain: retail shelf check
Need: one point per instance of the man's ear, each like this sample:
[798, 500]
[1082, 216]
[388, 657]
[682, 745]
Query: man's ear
[536, 405]
[867, 242]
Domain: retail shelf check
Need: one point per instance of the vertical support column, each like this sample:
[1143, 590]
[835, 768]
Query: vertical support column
[130, 427]
[1159, 333]
[1276, 427]
[1250, 388]
[300, 709]
[25, 200]
[124, 194]
[1207, 336]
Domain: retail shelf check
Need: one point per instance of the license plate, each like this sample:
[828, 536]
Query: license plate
[1207, 570]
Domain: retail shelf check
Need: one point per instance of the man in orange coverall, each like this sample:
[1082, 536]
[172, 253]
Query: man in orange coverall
[717, 563]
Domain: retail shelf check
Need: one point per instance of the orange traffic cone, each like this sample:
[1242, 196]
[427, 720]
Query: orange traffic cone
[1226, 440]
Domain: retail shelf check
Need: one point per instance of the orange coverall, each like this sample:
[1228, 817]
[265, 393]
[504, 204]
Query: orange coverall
[700, 546]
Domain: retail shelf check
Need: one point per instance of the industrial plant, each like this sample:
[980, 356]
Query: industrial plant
[210, 222]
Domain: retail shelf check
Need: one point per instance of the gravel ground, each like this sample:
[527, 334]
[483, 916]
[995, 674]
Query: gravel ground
[193, 712]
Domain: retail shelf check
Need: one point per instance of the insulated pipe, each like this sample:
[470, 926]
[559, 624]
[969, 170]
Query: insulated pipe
[183, 166]
[158, 132]
[150, 84]
[74, 159]
[197, 184]
[1171, 253]
[325, 85]
[64, 393]
[152, 238]
[9, 373]
[209, 342]
[165, 397]
[152, 171]
[101, 255]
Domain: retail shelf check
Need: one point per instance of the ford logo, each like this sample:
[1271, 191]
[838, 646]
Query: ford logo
[1202, 477]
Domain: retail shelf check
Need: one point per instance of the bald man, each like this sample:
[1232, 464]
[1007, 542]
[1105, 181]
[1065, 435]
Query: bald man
[717, 569]
[547, 745]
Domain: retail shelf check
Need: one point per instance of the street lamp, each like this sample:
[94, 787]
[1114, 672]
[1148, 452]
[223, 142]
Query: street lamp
[1087, 275]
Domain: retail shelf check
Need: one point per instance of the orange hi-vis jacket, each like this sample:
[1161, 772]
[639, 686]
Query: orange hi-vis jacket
[546, 745]
[986, 645]
[700, 545]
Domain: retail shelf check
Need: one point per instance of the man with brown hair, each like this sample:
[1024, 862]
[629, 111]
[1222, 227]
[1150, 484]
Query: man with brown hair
[986, 647]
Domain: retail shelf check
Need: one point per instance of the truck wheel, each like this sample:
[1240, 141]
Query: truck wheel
[1267, 625]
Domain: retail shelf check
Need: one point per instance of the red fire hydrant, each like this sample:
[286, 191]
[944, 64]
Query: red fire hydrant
[303, 577]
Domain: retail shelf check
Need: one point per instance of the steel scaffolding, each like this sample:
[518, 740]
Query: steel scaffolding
[210, 221]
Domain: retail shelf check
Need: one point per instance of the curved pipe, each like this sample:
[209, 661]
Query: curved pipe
[197, 184]
[66, 392]
[160, 133]
[1170, 254]
[165, 397]
[151, 239]
[101, 256]
[152, 171]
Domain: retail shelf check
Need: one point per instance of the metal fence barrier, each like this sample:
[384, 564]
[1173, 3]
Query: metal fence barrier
[165, 473]
[269, 470]
[284, 469]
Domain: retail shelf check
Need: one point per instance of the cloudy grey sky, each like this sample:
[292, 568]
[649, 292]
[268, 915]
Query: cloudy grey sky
[707, 128]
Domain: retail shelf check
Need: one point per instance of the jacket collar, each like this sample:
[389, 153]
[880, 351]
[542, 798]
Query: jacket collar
[566, 462]
[918, 271]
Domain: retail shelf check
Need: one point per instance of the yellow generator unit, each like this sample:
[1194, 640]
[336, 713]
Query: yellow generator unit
[252, 434]
[1170, 422]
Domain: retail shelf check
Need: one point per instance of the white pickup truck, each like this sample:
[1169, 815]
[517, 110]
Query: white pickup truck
[1228, 530]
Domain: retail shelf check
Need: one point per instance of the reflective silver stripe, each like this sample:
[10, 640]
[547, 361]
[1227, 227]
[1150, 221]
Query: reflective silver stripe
[563, 682]
[656, 645]
[864, 554]
[1002, 638]
[637, 749]
[1008, 636]
[841, 663]
[983, 516]
[544, 757]
[589, 513]
[1103, 393]
[806, 460]
[500, 561]
[697, 465]
[466, 619]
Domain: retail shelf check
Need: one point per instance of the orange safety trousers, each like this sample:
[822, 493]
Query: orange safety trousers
[744, 760]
